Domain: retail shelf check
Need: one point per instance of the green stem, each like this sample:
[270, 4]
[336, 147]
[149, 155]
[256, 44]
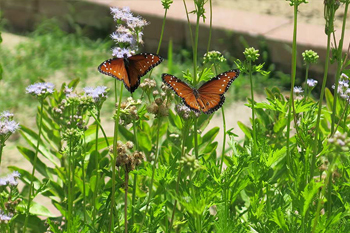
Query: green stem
[153, 171]
[184, 135]
[2, 145]
[31, 187]
[99, 124]
[306, 78]
[97, 167]
[224, 139]
[189, 24]
[126, 200]
[318, 119]
[294, 65]
[162, 32]
[195, 57]
[339, 67]
[133, 200]
[210, 24]
[114, 159]
[83, 178]
[253, 108]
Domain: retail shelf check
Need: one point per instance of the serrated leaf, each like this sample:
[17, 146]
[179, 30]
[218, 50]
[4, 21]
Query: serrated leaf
[310, 190]
[278, 218]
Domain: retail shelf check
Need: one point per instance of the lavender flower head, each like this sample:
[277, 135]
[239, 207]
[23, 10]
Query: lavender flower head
[99, 93]
[6, 114]
[4, 217]
[40, 89]
[128, 33]
[10, 179]
[298, 91]
[343, 87]
[119, 52]
[311, 82]
[7, 125]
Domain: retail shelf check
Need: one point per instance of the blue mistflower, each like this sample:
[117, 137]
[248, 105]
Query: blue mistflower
[298, 90]
[311, 82]
[39, 89]
[4, 217]
[97, 93]
[119, 52]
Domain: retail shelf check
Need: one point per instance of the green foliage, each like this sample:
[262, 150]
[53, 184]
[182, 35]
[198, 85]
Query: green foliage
[169, 173]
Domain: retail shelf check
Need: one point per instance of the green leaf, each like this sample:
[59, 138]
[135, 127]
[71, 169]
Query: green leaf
[309, 192]
[245, 129]
[329, 99]
[40, 210]
[278, 218]
[40, 166]
[32, 138]
[145, 141]
[175, 120]
[210, 135]
[128, 136]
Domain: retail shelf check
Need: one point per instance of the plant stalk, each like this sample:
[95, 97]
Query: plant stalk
[34, 166]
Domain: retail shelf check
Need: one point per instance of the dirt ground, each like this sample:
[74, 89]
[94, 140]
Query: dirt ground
[311, 13]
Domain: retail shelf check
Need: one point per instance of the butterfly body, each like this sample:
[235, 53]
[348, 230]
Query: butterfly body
[130, 69]
[207, 98]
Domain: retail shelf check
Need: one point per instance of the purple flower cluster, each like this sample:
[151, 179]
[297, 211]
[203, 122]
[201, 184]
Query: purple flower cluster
[10, 179]
[40, 89]
[7, 125]
[4, 217]
[128, 34]
[343, 87]
[99, 93]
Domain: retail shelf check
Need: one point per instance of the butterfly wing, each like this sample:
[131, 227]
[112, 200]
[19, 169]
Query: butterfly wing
[211, 94]
[139, 65]
[115, 67]
[184, 91]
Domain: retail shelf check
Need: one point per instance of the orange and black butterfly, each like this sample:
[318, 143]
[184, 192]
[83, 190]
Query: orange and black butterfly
[130, 69]
[209, 97]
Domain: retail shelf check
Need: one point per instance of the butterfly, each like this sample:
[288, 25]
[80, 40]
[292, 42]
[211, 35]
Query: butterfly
[209, 97]
[130, 69]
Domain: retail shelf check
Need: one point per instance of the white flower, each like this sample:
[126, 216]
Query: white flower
[40, 89]
[16, 174]
[6, 115]
[97, 93]
[123, 37]
[344, 76]
[8, 126]
[121, 14]
[119, 52]
[298, 90]
[311, 82]
[4, 217]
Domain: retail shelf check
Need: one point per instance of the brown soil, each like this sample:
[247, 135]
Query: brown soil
[311, 13]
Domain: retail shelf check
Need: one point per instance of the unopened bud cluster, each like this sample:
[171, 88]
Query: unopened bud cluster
[189, 163]
[128, 111]
[213, 56]
[160, 105]
[148, 84]
[125, 158]
[310, 57]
